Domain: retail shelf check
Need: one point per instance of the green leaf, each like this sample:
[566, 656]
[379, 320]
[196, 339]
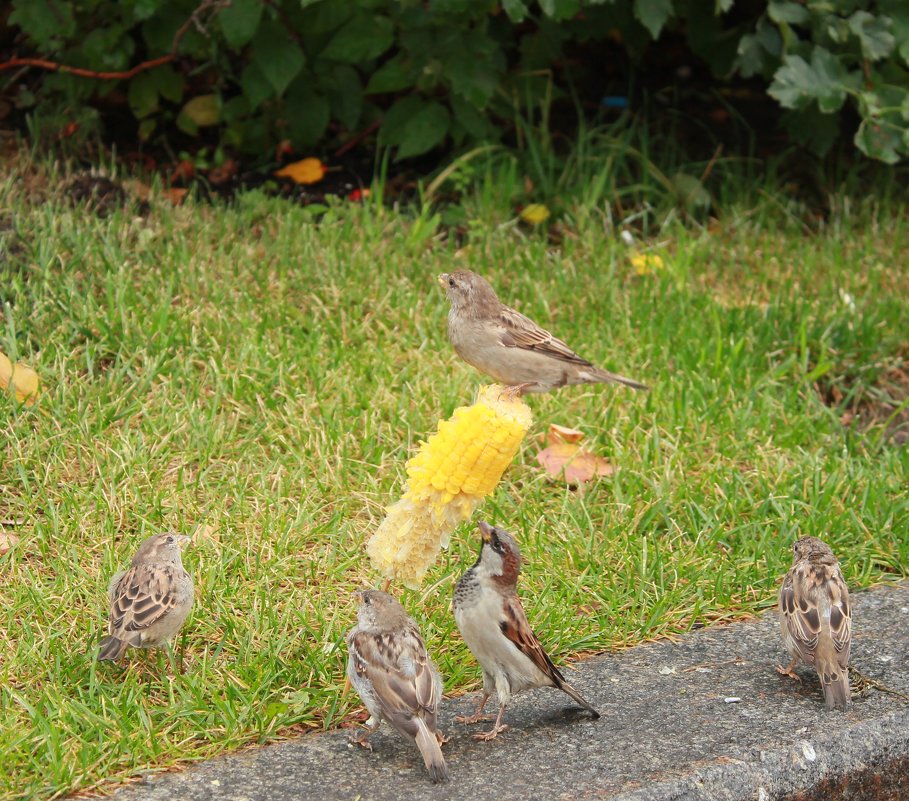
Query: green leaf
[560, 9]
[256, 87]
[874, 35]
[812, 128]
[790, 13]
[392, 76]
[45, 22]
[169, 83]
[722, 6]
[147, 128]
[414, 126]
[345, 93]
[690, 192]
[471, 120]
[360, 39]
[277, 55]
[794, 83]
[898, 11]
[239, 21]
[653, 14]
[143, 95]
[308, 113]
[203, 110]
[879, 141]
[474, 73]
[515, 9]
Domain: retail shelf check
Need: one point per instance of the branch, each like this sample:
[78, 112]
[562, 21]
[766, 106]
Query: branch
[53, 66]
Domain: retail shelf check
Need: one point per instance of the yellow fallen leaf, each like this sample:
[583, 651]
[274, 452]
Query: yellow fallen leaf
[21, 378]
[535, 214]
[206, 533]
[307, 171]
[645, 263]
[559, 433]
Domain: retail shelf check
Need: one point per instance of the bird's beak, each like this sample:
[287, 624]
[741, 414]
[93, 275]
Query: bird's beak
[485, 531]
[182, 539]
[443, 280]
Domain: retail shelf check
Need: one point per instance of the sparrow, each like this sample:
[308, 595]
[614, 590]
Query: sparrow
[816, 620]
[509, 347]
[150, 601]
[492, 622]
[391, 671]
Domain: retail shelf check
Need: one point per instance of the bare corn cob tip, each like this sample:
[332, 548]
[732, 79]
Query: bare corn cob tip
[448, 477]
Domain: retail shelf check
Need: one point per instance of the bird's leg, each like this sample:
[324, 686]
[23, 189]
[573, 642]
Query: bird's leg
[361, 738]
[789, 670]
[515, 391]
[442, 739]
[486, 736]
[477, 716]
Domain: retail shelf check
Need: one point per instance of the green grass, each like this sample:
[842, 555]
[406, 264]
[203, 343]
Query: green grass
[242, 372]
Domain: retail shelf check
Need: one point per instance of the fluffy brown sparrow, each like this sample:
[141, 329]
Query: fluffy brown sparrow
[150, 601]
[492, 622]
[815, 618]
[395, 678]
[510, 347]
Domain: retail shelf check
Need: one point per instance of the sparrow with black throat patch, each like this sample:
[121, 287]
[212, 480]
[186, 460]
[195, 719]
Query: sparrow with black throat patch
[397, 681]
[492, 622]
[510, 347]
[816, 619]
[150, 601]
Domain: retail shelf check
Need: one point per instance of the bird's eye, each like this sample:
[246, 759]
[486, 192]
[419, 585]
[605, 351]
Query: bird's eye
[451, 282]
[170, 539]
[366, 600]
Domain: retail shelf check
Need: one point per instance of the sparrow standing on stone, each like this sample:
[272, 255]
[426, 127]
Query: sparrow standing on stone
[510, 347]
[493, 624]
[150, 601]
[816, 620]
[395, 678]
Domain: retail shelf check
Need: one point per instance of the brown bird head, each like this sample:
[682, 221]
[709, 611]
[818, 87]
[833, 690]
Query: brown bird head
[379, 611]
[500, 556]
[812, 549]
[160, 548]
[469, 293]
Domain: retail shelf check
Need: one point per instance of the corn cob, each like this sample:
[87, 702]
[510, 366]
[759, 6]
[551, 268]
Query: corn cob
[448, 477]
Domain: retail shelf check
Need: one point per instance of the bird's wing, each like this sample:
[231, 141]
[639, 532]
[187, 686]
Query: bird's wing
[399, 670]
[519, 331]
[801, 599]
[516, 628]
[144, 595]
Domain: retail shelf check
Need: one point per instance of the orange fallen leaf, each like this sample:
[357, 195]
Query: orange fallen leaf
[175, 194]
[184, 171]
[577, 466]
[21, 378]
[307, 171]
[221, 175]
[559, 433]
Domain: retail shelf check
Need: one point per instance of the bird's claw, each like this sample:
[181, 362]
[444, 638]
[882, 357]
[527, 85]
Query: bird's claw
[486, 736]
[441, 737]
[361, 739]
[788, 671]
[469, 720]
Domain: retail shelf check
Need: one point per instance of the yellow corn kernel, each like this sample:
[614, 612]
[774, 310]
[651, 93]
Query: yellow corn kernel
[447, 478]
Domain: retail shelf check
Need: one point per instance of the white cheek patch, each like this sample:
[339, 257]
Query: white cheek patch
[491, 564]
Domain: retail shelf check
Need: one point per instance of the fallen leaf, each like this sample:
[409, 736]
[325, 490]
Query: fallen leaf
[221, 175]
[175, 194]
[535, 214]
[559, 433]
[23, 380]
[358, 194]
[307, 171]
[645, 263]
[184, 171]
[577, 466]
[7, 541]
[206, 533]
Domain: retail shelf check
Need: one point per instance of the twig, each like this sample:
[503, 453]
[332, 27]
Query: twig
[53, 66]
[357, 138]
[876, 684]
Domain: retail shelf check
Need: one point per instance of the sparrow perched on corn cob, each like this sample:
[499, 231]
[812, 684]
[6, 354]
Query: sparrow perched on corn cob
[150, 601]
[510, 347]
[816, 620]
[492, 622]
[395, 678]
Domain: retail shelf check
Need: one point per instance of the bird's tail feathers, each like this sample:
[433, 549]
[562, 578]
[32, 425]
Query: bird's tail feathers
[111, 649]
[431, 752]
[834, 681]
[614, 378]
[566, 688]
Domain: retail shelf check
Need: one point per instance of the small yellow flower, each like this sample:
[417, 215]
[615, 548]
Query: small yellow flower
[535, 214]
[448, 477]
[645, 263]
